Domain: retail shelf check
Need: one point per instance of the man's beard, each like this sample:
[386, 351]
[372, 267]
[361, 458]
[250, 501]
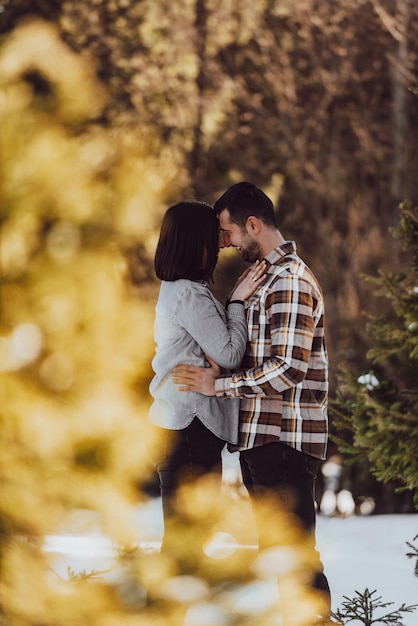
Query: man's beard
[251, 252]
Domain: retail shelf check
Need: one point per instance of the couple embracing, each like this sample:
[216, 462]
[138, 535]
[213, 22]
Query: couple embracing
[254, 373]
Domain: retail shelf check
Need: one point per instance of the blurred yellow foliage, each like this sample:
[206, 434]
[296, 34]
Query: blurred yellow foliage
[76, 343]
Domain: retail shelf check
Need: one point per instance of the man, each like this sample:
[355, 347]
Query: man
[283, 380]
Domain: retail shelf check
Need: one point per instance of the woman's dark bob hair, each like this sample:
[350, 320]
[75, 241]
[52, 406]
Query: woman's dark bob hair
[189, 242]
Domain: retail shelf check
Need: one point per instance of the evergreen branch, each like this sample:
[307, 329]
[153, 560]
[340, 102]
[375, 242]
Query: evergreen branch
[362, 607]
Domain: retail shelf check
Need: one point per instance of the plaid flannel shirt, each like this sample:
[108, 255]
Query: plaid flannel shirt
[283, 381]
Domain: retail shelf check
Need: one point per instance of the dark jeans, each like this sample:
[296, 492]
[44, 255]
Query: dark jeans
[183, 456]
[288, 475]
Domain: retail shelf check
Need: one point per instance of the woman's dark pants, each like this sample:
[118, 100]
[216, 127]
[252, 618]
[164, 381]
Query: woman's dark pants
[182, 457]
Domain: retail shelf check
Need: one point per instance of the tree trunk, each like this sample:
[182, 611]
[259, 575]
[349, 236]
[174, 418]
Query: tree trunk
[196, 155]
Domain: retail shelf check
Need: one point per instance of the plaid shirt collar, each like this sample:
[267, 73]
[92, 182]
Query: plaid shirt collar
[275, 256]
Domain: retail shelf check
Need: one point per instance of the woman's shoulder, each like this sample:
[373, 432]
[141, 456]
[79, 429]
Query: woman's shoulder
[183, 285]
[184, 297]
[183, 291]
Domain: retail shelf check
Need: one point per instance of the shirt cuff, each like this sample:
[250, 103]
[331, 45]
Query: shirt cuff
[223, 387]
[236, 309]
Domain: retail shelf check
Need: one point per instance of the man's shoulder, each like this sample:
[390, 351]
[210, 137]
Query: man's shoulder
[290, 273]
[286, 264]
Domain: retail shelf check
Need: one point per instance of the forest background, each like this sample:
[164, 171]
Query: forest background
[111, 110]
[313, 101]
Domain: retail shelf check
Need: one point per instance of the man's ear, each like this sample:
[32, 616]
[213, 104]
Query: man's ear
[253, 225]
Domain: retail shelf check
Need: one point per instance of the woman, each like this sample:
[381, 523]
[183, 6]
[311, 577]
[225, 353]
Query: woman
[190, 325]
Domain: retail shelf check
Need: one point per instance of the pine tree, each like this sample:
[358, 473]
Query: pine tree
[380, 406]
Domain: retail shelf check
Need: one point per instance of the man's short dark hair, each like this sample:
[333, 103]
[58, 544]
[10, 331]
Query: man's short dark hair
[244, 200]
[188, 244]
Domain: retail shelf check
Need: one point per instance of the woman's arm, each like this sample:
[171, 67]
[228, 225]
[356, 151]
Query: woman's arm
[224, 342]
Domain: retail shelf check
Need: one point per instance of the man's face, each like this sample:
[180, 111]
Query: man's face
[232, 235]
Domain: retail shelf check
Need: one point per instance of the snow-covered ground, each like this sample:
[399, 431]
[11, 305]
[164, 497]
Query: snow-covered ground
[357, 552]
[370, 551]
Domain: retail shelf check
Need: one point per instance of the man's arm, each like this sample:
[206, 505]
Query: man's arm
[285, 339]
[291, 329]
